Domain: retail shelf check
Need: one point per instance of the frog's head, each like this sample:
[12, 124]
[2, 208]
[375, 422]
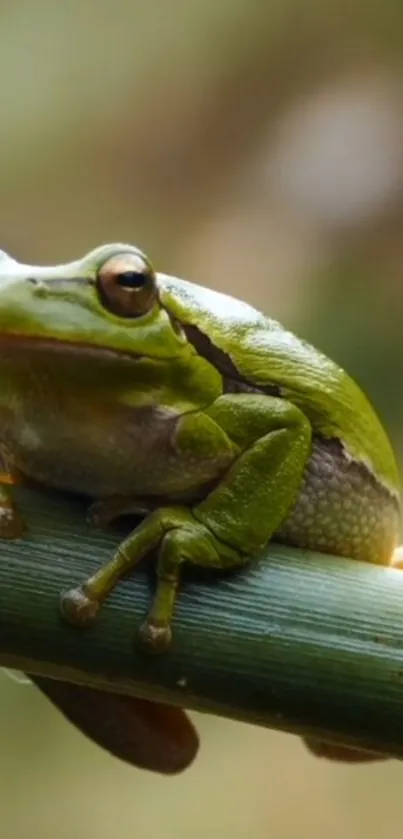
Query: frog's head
[109, 300]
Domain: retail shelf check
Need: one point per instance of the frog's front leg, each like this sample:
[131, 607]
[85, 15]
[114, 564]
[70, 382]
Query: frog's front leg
[272, 439]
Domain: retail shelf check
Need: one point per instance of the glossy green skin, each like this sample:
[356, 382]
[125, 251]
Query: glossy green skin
[228, 429]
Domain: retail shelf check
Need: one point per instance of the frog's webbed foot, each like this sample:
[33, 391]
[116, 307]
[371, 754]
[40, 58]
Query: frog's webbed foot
[145, 734]
[11, 522]
[341, 754]
[180, 538]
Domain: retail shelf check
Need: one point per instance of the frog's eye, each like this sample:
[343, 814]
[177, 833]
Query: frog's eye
[126, 285]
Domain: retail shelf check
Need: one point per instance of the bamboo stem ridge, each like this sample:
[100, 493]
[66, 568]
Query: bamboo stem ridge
[295, 641]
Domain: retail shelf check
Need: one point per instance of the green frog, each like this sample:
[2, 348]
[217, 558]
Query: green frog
[150, 394]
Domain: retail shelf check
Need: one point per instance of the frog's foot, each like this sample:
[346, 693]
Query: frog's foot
[341, 754]
[181, 538]
[11, 522]
[104, 511]
[155, 638]
[78, 608]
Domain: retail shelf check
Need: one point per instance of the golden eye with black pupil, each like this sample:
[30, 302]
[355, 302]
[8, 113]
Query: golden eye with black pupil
[127, 285]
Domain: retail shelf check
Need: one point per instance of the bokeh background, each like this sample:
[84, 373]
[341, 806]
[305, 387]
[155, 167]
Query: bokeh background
[257, 148]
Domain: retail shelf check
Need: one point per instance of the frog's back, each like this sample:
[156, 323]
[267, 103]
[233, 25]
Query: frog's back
[351, 481]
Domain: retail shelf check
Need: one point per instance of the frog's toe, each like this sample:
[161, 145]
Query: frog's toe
[77, 608]
[155, 638]
[11, 523]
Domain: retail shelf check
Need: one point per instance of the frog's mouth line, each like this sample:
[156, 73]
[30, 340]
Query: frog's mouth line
[16, 343]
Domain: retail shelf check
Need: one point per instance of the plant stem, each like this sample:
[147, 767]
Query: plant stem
[295, 641]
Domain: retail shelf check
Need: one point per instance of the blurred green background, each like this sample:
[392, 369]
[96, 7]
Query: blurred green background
[255, 147]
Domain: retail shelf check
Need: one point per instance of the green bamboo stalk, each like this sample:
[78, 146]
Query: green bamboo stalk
[296, 641]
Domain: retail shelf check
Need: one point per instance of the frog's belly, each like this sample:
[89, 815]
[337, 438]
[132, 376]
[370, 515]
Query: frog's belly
[341, 509]
[134, 454]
